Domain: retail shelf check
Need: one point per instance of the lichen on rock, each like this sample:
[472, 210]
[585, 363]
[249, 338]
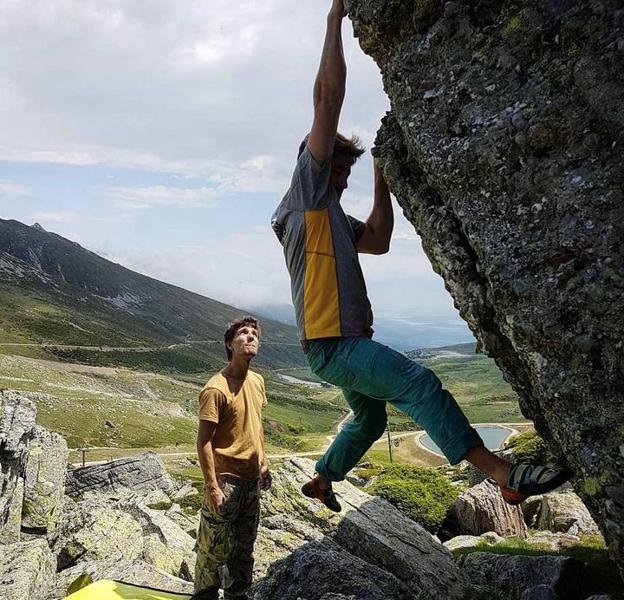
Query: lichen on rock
[503, 147]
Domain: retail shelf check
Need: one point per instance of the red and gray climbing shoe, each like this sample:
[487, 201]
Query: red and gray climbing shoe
[312, 489]
[526, 480]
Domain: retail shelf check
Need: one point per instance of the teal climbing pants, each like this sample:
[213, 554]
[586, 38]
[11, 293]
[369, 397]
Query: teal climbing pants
[371, 374]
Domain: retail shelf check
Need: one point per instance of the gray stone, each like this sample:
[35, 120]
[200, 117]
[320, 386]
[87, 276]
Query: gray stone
[470, 191]
[96, 530]
[553, 541]
[144, 472]
[44, 481]
[511, 573]
[10, 532]
[186, 491]
[540, 592]
[368, 528]
[165, 545]
[566, 513]
[26, 570]
[491, 537]
[322, 569]
[17, 421]
[481, 509]
[462, 541]
[189, 523]
[17, 424]
[530, 509]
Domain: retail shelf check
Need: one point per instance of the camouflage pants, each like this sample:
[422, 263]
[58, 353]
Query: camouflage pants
[225, 541]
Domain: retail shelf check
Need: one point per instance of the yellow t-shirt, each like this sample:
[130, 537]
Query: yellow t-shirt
[237, 444]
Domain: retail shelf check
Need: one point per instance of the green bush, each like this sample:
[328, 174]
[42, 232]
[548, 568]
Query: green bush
[528, 446]
[420, 493]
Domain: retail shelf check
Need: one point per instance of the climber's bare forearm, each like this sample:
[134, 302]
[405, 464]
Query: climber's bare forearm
[380, 223]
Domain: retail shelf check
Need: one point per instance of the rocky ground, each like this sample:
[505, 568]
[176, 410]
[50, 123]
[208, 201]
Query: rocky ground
[123, 520]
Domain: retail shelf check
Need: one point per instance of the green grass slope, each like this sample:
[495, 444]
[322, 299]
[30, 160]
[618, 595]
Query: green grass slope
[86, 309]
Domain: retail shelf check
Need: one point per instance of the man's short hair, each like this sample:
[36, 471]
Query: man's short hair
[234, 326]
[342, 146]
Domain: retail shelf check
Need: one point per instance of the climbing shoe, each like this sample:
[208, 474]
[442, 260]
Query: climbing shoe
[526, 480]
[312, 489]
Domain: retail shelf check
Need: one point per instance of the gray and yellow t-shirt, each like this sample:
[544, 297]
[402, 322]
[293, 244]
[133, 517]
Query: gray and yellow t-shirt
[319, 241]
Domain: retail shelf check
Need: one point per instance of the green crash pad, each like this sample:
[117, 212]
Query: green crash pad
[106, 589]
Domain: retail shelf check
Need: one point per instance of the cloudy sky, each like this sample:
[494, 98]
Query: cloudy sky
[162, 134]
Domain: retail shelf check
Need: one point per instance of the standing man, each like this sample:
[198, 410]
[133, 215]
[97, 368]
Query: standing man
[334, 318]
[230, 447]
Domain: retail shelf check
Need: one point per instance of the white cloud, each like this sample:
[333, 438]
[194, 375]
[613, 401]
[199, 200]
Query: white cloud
[245, 269]
[216, 87]
[65, 216]
[134, 198]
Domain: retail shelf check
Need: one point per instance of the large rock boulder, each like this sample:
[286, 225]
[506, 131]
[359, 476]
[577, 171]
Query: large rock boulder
[26, 570]
[481, 509]
[44, 481]
[17, 424]
[565, 513]
[311, 571]
[564, 577]
[165, 545]
[503, 147]
[96, 530]
[370, 529]
[143, 472]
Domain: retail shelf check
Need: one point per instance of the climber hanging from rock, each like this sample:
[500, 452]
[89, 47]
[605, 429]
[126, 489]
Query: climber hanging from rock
[321, 245]
[230, 447]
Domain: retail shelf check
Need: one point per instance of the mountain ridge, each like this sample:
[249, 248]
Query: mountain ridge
[48, 282]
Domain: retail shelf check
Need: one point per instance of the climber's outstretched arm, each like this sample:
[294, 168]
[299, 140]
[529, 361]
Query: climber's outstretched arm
[329, 87]
[380, 222]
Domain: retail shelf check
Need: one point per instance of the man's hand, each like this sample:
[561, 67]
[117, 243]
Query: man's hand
[215, 497]
[338, 8]
[265, 478]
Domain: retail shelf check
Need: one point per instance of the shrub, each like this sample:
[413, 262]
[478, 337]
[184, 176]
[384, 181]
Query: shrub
[528, 446]
[420, 493]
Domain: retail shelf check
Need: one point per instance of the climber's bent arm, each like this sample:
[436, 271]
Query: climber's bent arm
[380, 222]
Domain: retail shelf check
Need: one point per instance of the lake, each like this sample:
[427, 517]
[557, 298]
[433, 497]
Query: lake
[292, 379]
[492, 435]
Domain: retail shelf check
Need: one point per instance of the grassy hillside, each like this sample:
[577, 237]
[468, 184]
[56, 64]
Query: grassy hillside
[475, 381]
[86, 309]
[156, 410]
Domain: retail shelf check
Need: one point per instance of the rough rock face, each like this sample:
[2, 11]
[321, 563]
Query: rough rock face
[368, 531]
[307, 572]
[564, 512]
[44, 481]
[92, 530]
[503, 147]
[562, 576]
[481, 509]
[143, 472]
[17, 422]
[26, 570]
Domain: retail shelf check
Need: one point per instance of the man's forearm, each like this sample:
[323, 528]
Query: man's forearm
[381, 218]
[263, 457]
[329, 86]
[206, 461]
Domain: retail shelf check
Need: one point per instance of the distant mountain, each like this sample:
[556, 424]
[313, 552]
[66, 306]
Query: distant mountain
[55, 292]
